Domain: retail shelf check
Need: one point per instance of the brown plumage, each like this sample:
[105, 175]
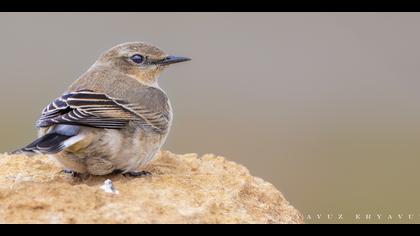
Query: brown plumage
[113, 118]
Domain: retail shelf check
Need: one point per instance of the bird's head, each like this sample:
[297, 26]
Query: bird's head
[140, 60]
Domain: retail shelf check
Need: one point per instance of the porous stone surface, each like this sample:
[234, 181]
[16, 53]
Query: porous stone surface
[182, 189]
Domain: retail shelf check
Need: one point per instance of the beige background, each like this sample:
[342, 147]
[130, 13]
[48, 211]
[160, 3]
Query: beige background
[323, 105]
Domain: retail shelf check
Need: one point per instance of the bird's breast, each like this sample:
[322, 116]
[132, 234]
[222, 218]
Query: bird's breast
[130, 149]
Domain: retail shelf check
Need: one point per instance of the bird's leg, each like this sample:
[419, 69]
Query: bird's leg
[74, 174]
[139, 173]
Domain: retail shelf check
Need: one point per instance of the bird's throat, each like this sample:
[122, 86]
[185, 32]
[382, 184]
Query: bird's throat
[148, 78]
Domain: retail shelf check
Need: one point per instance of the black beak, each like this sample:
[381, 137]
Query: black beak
[172, 60]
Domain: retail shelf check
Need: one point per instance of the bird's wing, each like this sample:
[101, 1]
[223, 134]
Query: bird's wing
[88, 108]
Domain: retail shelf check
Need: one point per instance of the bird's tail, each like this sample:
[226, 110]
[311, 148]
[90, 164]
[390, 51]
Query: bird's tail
[56, 141]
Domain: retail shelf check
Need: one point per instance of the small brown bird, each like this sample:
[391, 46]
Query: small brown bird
[113, 118]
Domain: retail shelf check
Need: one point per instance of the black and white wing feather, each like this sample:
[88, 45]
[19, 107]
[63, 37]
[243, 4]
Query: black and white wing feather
[98, 110]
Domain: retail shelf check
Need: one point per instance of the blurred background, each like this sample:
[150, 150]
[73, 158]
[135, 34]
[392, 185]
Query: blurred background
[323, 105]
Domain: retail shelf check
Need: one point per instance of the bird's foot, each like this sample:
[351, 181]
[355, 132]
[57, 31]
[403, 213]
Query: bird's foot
[73, 174]
[138, 173]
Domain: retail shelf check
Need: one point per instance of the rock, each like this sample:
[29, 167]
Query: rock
[182, 189]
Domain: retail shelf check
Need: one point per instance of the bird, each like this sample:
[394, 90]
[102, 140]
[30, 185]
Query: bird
[113, 118]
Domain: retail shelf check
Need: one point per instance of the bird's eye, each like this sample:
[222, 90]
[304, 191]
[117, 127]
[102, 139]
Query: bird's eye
[137, 58]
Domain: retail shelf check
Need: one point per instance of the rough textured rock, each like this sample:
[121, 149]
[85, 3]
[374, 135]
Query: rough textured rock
[183, 189]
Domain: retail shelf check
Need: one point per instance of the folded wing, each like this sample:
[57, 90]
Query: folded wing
[98, 110]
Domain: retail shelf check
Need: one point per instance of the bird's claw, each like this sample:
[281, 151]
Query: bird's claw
[139, 174]
[74, 174]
